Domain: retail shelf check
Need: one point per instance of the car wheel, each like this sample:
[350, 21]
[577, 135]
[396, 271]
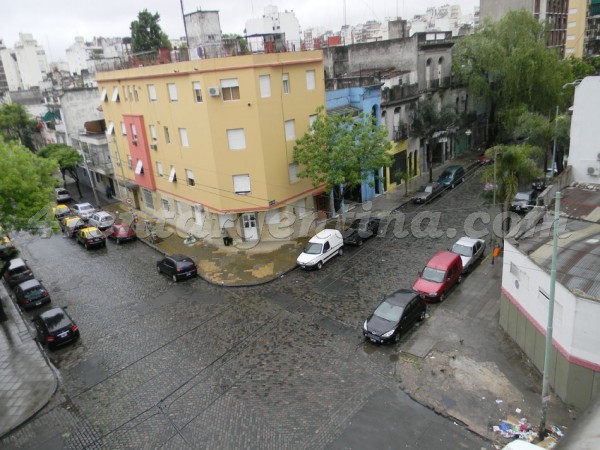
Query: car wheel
[452, 186]
[158, 269]
[359, 242]
[341, 251]
[397, 337]
[319, 265]
[442, 297]
[118, 241]
[423, 315]
[459, 279]
[86, 246]
[462, 180]
[174, 278]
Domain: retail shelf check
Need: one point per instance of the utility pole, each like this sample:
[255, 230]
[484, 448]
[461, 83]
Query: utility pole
[549, 326]
[554, 144]
[494, 205]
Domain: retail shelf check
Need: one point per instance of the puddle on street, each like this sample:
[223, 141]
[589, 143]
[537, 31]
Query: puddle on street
[368, 348]
[395, 357]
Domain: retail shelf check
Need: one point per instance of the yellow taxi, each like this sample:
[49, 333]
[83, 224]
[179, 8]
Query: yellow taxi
[91, 237]
[71, 224]
[61, 211]
[4, 240]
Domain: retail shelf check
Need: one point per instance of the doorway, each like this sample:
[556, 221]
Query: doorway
[250, 226]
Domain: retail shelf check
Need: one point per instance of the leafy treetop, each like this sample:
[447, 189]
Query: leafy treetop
[146, 33]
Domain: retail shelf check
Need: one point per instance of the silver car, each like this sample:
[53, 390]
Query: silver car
[428, 192]
[101, 220]
[470, 251]
[83, 210]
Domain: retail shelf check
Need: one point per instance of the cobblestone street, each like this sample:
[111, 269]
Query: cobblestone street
[193, 365]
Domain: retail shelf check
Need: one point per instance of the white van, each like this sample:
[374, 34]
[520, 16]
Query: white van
[320, 249]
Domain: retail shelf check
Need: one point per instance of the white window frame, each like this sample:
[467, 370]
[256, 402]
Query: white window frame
[310, 80]
[152, 92]
[293, 172]
[197, 91]
[189, 175]
[115, 94]
[241, 184]
[166, 205]
[123, 129]
[153, 132]
[264, 82]
[311, 120]
[183, 136]
[290, 130]
[236, 139]
[232, 86]
[104, 95]
[172, 88]
[172, 175]
[129, 162]
[285, 83]
[134, 134]
[167, 135]
[111, 128]
[159, 169]
[139, 168]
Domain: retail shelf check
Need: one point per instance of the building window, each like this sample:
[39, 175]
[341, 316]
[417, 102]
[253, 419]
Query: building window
[129, 162]
[311, 120]
[167, 135]
[172, 92]
[115, 96]
[130, 93]
[310, 80]
[197, 91]
[165, 205]
[265, 85]
[172, 175]
[125, 93]
[236, 139]
[293, 172]
[135, 94]
[151, 92]
[286, 83]
[139, 168]
[133, 131]
[103, 95]
[198, 214]
[241, 184]
[111, 128]
[159, 169]
[184, 137]
[290, 130]
[230, 89]
[190, 177]
[123, 129]
[148, 199]
[152, 132]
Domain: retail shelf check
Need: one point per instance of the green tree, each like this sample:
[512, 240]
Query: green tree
[341, 151]
[536, 130]
[428, 119]
[25, 189]
[563, 140]
[17, 125]
[146, 34]
[515, 166]
[507, 64]
[580, 68]
[67, 159]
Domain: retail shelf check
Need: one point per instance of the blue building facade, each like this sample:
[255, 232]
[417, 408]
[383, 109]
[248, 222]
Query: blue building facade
[357, 100]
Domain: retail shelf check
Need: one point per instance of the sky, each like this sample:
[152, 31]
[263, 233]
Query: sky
[55, 25]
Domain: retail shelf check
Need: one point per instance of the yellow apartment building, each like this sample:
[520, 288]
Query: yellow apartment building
[208, 144]
[576, 25]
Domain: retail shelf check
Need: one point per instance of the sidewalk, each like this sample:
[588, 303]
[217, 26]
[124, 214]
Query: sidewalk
[26, 380]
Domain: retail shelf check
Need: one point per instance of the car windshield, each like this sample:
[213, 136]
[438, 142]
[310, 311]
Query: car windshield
[446, 174]
[123, 229]
[435, 275]
[521, 196]
[360, 225]
[86, 208]
[428, 189]
[62, 192]
[462, 250]
[94, 233]
[106, 219]
[389, 311]
[34, 292]
[313, 248]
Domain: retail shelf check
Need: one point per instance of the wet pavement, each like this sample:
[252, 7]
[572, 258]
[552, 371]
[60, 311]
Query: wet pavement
[281, 365]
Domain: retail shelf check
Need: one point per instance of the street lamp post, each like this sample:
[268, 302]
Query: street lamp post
[494, 205]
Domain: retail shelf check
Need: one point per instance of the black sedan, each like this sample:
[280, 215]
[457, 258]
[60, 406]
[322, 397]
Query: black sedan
[178, 267]
[361, 229]
[524, 201]
[55, 328]
[394, 316]
[428, 192]
[31, 293]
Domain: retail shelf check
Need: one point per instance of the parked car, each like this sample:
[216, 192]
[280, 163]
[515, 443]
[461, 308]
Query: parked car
[55, 328]
[91, 237]
[61, 211]
[31, 294]
[394, 316]
[538, 185]
[122, 232]
[101, 220]
[71, 225]
[524, 201]
[428, 192]
[451, 176]
[320, 249]
[17, 272]
[359, 230]
[470, 251]
[178, 267]
[83, 210]
[62, 195]
[441, 273]
[5, 242]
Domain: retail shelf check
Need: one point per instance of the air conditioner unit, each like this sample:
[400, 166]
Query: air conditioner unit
[153, 146]
[593, 171]
[213, 91]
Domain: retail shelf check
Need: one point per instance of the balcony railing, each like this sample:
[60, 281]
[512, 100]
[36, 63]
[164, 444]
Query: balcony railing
[400, 92]
[400, 132]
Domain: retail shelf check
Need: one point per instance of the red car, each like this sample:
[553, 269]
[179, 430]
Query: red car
[442, 272]
[122, 232]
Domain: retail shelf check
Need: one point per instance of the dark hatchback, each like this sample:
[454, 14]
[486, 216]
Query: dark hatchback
[31, 294]
[178, 267]
[524, 201]
[17, 272]
[394, 316]
[359, 230]
[55, 328]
